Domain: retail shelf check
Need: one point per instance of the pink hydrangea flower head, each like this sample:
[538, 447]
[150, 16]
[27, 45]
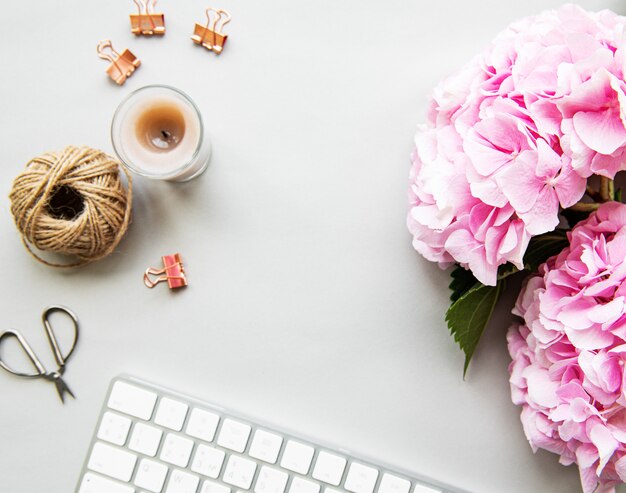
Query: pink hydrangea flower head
[569, 354]
[515, 133]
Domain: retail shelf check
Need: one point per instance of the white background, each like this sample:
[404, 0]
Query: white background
[307, 306]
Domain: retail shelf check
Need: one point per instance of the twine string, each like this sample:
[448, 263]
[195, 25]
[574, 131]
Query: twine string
[97, 229]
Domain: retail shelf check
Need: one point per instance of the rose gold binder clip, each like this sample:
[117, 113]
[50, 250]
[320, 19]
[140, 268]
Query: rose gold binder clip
[122, 65]
[173, 272]
[145, 21]
[211, 36]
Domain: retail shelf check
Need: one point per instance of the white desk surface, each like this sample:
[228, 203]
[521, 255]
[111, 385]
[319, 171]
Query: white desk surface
[307, 305]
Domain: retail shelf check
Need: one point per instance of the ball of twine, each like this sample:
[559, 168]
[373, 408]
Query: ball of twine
[72, 203]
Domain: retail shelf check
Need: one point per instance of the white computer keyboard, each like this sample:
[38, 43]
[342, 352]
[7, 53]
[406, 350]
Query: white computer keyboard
[150, 439]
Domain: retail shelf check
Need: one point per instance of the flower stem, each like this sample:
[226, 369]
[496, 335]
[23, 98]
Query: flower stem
[585, 206]
[593, 194]
[607, 189]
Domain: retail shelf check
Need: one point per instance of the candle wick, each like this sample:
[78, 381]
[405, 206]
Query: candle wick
[166, 135]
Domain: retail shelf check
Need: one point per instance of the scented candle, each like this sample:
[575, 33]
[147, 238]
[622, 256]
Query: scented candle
[157, 132]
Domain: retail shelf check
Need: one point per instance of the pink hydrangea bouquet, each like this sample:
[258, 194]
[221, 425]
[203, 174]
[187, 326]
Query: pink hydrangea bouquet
[513, 175]
[569, 352]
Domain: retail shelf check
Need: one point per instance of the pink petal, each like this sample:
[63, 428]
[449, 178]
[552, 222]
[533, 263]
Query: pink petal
[547, 116]
[590, 339]
[580, 154]
[480, 220]
[485, 159]
[575, 314]
[544, 216]
[611, 374]
[572, 391]
[609, 312]
[541, 388]
[619, 349]
[570, 429]
[617, 249]
[608, 165]
[602, 131]
[516, 256]
[618, 428]
[488, 191]
[549, 163]
[588, 476]
[504, 132]
[509, 241]
[620, 468]
[589, 96]
[570, 186]
[493, 142]
[562, 414]
[432, 216]
[602, 438]
[580, 410]
[586, 455]
[520, 184]
[466, 250]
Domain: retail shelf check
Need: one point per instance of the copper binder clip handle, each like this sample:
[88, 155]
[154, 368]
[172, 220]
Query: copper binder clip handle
[122, 64]
[211, 35]
[172, 272]
[146, 21]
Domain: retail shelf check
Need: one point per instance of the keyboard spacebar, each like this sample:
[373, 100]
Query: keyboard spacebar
[97, 484]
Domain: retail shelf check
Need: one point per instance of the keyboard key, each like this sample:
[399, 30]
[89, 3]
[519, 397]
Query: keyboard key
[145, 439]
[171, 414]
[393, 484]
[234, 435]
[182, 482]
[271, 480]
[420, 488]
[111, 461]
[93, 483]
[132, 400]
[329, 468]
[299, 485]
[297, 457]
[202, 424]
[176, 450]
[211, 487]
[265, 446]
[361, 478]
[208, 461]
[114, 428]
[151, 475]
[239, 472]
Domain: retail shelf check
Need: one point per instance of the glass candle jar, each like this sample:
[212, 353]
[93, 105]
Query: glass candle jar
[157, 132]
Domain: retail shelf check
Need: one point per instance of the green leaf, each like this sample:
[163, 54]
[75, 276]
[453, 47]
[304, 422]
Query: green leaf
[618, 195]
[468, 316]
[543, 247]
[473, 303]
[506, 270]
[462, 281]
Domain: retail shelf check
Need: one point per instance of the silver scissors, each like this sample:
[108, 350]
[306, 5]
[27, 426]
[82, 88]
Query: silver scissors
[52, 376]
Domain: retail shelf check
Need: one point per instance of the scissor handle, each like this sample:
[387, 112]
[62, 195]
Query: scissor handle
[58, 355]
[41, 370]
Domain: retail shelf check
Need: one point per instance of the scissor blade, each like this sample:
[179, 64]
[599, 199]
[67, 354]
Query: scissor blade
[62, 389]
